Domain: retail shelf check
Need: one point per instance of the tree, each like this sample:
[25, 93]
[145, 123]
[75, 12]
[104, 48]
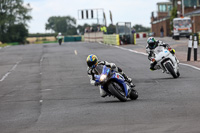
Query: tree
[173, 15]
[65, 24]
[140, 28]
[13, 14]
[82, 28]
[111, 29]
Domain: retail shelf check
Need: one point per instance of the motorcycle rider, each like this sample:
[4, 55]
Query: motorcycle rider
[93, 68]
[153, 46]
[59, 37]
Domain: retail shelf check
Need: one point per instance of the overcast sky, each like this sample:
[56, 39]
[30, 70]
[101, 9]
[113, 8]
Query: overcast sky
[134, 11]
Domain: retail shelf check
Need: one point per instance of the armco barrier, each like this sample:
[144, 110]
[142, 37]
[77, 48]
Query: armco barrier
[111, 39]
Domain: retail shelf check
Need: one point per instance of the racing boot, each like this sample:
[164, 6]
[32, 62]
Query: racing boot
[152, 65]
[102, 92]
[129, 80]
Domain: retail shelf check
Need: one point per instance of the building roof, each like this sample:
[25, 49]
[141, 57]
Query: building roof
[197, 12]
[164, 3]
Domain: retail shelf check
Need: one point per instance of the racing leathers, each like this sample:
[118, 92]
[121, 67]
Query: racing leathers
[97, 70]
[157, 49]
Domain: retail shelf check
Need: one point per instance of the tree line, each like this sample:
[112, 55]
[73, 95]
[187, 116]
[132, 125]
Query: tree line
[14, 15]
[13, 20]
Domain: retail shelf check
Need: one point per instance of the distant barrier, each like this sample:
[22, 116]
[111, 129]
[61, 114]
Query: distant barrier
[72, 38]
[93, 37]
[134, 38]
[111, 39]
[142, 35]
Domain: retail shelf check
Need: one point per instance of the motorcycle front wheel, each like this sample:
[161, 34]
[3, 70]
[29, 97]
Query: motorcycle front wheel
[117, 91]
[171, 69]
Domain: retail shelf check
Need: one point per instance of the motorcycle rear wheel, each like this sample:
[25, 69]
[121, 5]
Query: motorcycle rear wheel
[133, 94]
[117, 92]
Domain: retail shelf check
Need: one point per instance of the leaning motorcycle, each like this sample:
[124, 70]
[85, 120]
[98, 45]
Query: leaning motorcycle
[115, 85]
[167, 62]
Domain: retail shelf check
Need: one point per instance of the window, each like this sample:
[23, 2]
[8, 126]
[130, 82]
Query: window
[162, 8]
[191, 3]
[198, 3]
[169, 8]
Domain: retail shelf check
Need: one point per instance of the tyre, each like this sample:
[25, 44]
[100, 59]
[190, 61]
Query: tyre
[170, 69]
[60, 41]
[133, 94]
[176, 37]
[178, 74]
[117, 91]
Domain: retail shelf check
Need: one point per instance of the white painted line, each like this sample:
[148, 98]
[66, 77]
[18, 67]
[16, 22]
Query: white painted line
[41, 101]
[131, 50]
[4, 77]
[75, 52]
[190, 66]
[47, 90]
[41, 59]
[12, 69]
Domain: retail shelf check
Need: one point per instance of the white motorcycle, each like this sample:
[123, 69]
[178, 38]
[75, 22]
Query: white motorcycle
[167, 62]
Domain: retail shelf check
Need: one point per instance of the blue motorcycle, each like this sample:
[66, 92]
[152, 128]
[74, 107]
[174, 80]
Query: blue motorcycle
[115, 85]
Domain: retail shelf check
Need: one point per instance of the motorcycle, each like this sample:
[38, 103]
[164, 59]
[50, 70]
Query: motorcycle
[60, 38]
[115, 85]
[167, 62]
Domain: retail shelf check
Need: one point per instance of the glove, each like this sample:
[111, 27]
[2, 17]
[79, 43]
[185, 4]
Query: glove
[171, 50]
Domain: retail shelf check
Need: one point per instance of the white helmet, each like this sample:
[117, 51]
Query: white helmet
[59, 34]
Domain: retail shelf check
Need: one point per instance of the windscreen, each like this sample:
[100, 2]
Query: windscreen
[182, 23]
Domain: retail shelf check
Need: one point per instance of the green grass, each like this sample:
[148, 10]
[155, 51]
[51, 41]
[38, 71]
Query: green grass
[3, 45]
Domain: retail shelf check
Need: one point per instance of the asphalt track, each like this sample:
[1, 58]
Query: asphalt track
[45, 89]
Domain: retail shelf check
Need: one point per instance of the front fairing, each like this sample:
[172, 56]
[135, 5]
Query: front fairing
[120, 79]
[105, 71]
[161, 53]
[111, 75]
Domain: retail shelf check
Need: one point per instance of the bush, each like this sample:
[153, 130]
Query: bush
[15, 33]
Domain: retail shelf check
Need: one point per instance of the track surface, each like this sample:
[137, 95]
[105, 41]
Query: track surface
[45, 89]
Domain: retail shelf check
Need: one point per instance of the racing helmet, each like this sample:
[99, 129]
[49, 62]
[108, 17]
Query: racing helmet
[92, 61]
[59, 34]
[152, 43]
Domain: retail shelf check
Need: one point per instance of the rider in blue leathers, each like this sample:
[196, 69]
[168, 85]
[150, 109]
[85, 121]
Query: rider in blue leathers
[93, 63]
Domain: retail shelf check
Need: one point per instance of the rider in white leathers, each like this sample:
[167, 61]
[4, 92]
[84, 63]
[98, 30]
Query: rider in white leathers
[155, 46]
